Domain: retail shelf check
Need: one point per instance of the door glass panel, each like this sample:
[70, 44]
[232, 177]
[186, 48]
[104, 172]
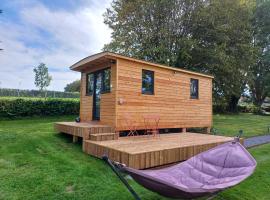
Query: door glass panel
[97, 95]
[107, 80]
[90, 84]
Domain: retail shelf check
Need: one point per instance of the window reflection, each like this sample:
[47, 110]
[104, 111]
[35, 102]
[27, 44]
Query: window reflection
[106, 80]
[90, 84]
[147, 82]
[194, 88]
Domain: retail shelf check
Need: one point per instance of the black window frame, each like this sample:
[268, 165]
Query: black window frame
[152, 92]
[196, 96]
[103, 89]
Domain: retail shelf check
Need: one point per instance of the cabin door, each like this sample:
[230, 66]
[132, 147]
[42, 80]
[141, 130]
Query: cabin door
[96, 95]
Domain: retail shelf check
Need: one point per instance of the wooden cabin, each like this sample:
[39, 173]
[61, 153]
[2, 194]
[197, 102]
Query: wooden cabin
[115, 86]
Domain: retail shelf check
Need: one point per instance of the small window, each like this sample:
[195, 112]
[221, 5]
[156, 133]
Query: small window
[90, 84]
[147, 82]
[106, 83]
[194, 88]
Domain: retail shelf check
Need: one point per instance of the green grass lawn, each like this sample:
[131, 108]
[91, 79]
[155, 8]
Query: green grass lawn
[38, 163]
[251, 124]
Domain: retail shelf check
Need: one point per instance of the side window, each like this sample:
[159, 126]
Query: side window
[194, 88]
[90, 84]
[106, 85]
[147, 82]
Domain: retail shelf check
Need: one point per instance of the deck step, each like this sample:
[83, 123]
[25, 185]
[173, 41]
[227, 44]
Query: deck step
[103, 136]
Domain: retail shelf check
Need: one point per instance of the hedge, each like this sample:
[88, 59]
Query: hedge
[6, 92]
[22, 107]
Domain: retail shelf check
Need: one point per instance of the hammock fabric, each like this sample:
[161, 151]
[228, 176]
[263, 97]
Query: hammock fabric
[204, 174]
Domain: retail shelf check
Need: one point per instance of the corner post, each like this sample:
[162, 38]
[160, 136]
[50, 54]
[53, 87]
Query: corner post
[75, 139]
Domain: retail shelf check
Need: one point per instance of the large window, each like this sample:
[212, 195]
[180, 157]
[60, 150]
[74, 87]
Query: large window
[147, 82]
[105, 81]
[194, 88]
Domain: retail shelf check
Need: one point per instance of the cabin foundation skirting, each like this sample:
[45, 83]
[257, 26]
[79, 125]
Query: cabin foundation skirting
[141, 152]
[148, 159]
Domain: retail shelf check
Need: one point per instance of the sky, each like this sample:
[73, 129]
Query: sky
[57, 33]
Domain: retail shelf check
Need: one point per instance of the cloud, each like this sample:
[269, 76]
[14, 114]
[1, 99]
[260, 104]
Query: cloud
[57, 37]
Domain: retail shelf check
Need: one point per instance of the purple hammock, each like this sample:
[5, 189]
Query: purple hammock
[204, 174]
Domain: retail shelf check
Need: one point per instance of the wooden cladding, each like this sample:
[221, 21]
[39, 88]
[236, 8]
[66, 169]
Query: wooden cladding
[170, 99]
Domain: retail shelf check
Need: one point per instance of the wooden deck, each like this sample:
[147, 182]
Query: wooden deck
[142, 152]
[82, 129]
[139, 152]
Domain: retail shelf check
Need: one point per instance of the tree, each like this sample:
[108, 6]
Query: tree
[209, 36]
[42, 77]
[73, 87]
[220, 44]
[259, 73]
[152, 30]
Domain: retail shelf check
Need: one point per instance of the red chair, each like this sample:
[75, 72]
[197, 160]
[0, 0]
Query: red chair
[130, 124]
[151, 123]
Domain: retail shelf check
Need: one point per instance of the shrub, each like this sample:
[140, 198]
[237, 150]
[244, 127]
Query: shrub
[219, 108]
[5, 92]
[21, 107]
[249, 108]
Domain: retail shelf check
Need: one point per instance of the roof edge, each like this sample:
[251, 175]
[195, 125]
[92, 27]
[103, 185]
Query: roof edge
[115, 55]
[88, 59]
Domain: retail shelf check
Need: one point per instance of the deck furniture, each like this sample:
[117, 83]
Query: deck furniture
[151, 123]
[130, 125]
[205, 174]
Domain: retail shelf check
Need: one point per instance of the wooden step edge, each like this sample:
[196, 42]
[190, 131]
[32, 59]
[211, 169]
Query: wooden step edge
[103, 137]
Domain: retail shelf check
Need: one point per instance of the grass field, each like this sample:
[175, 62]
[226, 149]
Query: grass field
[38, 163]
[251, 124]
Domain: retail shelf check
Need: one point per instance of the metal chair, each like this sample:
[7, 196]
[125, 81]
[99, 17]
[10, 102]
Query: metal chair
[151, 123]
[130, 124]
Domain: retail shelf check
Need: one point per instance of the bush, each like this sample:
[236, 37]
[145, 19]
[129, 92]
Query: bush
[5, 92]
[219, 108]
[249, 108]
[22, 107]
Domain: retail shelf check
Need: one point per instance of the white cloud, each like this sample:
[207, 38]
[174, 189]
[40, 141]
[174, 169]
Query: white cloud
[58, 38]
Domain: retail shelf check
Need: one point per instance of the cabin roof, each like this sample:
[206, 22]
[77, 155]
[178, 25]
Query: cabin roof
[108, 56]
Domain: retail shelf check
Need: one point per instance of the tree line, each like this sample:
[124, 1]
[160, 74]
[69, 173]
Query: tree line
[228, 39]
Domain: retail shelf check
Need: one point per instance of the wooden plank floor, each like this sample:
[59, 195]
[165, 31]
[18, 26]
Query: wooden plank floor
[144, 152]
[82, 129]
